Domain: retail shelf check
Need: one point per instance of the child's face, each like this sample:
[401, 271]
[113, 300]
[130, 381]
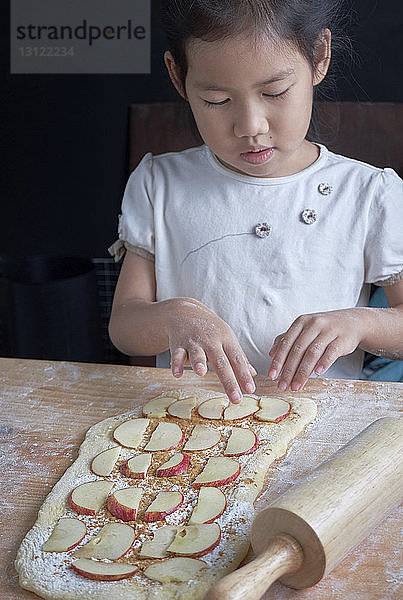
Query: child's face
[261, 99]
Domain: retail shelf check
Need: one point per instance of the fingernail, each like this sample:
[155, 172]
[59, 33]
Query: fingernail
[176, 372]
[252, 370]
[295, 387]
[272, 374]
[319, 370]
[199, 368]
[282, 386]
[235, 397]
[250, 388]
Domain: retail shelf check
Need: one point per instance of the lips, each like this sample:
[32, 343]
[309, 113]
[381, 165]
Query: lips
[257, 155]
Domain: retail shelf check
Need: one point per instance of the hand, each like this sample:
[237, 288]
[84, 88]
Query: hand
[197, 336]
[312, 344]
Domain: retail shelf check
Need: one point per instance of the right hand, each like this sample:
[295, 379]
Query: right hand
[197, 336]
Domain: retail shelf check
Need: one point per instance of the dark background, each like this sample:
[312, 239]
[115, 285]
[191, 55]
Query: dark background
[64, 137]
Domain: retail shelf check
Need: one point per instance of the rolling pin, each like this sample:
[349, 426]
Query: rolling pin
[309, 529]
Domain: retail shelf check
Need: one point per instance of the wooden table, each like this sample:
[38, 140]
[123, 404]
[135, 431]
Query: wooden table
[46, 408]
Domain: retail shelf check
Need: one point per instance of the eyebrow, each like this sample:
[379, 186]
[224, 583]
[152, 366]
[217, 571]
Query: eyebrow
[214, 87]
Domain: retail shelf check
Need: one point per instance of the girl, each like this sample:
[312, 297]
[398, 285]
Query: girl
[259, 244]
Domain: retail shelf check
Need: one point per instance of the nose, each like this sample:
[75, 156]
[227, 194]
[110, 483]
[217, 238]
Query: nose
[250, 121]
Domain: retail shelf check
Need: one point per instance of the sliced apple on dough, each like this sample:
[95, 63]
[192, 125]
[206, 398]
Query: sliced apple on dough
[247, 407]
[157, 407]
[202, 438]
[213, 408]
[182, 409]
[112, 542]
[272, 409]
[175, 569]
[156, 548]
[165, 437]
[104, 462]
[124, 503]
[178, 463]
[66, 535]
[219, 470]
[164, 504]
[136, 467]
[241, 441]
[195, 540]
[130, 433]
[101, 571]
[211, 503]
[89, 498]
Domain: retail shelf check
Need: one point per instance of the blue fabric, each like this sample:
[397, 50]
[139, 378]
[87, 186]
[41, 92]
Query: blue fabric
[378, 368]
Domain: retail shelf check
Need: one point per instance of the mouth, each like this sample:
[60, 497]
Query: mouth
[258, 155]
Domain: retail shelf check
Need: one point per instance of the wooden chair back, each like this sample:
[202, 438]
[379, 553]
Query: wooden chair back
[370, 132]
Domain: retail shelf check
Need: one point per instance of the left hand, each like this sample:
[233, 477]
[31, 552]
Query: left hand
[312, 344]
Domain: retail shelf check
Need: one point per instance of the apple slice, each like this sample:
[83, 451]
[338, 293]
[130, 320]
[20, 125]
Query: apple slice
[124, 503]
[202, 437]
[164, 504]
[272, 409]
[88, 498]
[100, 571]
[175, 569]
[165, 437]
[195, 540]
[182, 409]
[213, 408]
[66, 535]
[177, 464]
[112, 542]
[156, 547]
[211, 503]
[219, 470]
[247, 407]
[241, 441]
[136, 467]
[130, 433]
[157, 406]
[104, 462]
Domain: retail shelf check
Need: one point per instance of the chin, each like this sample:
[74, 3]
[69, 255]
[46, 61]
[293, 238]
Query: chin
[252, 171]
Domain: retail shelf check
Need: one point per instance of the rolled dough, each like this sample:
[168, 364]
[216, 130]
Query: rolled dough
[49, 574]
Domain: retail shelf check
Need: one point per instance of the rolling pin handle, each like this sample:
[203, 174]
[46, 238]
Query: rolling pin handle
[283, 555]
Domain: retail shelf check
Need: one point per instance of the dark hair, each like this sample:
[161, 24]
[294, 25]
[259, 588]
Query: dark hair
[299, 22]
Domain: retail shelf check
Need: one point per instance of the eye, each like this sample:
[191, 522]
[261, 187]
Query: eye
[280, 95]
[212, 104]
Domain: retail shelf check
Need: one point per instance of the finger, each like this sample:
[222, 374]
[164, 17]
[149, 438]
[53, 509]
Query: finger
[178, 357]
[274, 367]
[274, 347]
[283, 348]
[221, 365]
[330, 355]
[240, 367]
[312, 355]
[295, 357]
[252, 370]
[198, 361]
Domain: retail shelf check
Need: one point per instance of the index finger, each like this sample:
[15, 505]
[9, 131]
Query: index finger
[222, 367]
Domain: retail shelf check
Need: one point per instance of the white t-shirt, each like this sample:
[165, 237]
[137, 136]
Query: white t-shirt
[197, 219]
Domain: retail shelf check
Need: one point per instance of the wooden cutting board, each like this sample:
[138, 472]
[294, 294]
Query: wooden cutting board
[46, 408]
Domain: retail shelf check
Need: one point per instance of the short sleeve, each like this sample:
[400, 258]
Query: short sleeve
[136, 222]
[384, 241]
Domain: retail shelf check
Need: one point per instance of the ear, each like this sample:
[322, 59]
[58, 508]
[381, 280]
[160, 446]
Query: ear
[322, 56]
[174, 73]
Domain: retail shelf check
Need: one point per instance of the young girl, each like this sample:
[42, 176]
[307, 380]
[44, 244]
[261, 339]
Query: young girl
[256, 251]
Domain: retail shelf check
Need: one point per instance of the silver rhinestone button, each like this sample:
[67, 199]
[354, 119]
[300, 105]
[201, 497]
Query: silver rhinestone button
[309, 216]
[262, 230]
[325, 189]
